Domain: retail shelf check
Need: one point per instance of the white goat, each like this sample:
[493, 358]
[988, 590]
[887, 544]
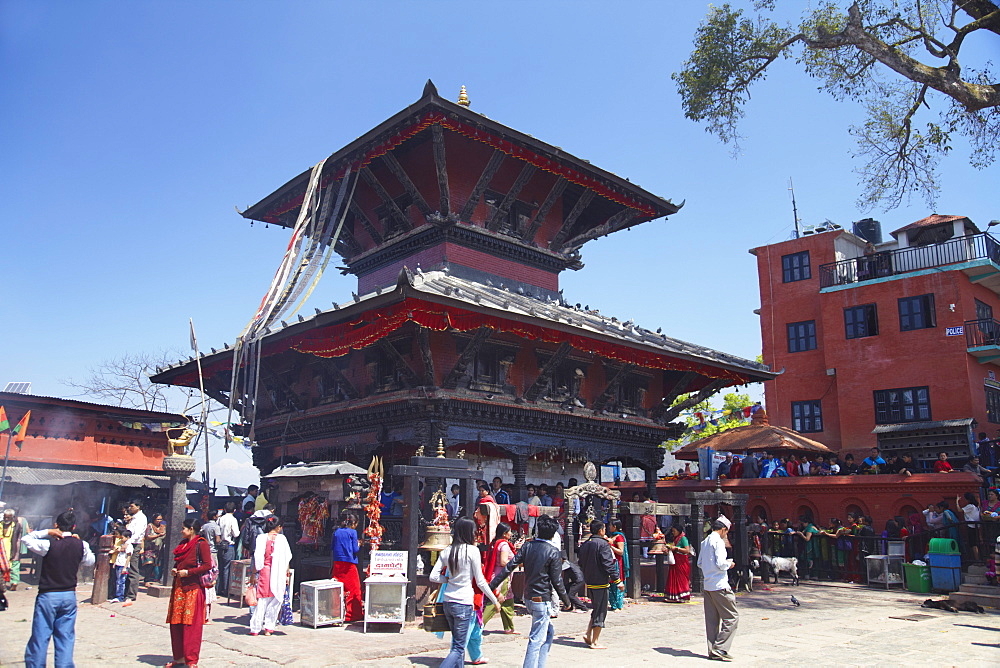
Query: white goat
[780, 565]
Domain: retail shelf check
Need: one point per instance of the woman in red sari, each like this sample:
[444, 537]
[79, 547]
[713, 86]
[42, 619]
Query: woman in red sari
[186, 610]
[679, 577]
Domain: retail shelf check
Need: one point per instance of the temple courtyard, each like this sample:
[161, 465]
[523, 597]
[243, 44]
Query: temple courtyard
[835, 625]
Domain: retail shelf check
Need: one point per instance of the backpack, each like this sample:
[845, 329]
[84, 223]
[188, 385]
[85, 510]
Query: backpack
[248, 537]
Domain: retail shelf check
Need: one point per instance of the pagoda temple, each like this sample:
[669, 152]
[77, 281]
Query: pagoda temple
[457, 229]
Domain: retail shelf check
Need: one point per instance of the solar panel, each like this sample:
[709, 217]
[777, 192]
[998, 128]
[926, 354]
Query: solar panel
[18, 388]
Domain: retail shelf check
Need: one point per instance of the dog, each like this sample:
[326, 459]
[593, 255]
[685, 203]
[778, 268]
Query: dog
[946, 604]
[779, 565]
[970, 606]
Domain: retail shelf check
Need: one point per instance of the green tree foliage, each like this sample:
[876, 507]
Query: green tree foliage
[899, 60]
[735, 402]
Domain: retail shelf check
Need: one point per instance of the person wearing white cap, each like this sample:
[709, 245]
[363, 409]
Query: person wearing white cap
[721, 616]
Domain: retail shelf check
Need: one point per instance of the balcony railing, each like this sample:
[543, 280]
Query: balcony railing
[904, 260]
[981, 333]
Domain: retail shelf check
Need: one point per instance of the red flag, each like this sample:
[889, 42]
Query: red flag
[21, 430]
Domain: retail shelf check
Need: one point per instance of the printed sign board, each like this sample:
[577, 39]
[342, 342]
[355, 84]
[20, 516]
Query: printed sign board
[388, 562]
[954, 331]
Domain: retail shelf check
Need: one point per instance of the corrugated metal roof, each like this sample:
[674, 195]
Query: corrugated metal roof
[37, 475]
[317, 469]
[920, 426]
[501, 298]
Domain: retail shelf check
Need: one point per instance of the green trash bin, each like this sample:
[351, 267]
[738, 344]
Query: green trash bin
[943, 546]
[918, 578]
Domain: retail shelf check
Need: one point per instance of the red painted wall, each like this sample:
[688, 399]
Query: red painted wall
[881, 496]
[74, 433]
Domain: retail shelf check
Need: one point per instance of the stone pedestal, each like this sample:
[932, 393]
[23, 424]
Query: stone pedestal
[178, 467]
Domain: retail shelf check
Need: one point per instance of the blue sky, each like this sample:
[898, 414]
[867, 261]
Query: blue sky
[130, 131]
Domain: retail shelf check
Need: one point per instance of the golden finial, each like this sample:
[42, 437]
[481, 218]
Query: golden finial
[441, 448]
[463, 97]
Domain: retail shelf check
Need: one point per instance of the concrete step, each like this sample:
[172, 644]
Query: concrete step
[976, 569]
[979, 589]
[985, 600]
[974, 579]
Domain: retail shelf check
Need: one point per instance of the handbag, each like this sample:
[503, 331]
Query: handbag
[209, 577]
[250, 596]
[434, 619]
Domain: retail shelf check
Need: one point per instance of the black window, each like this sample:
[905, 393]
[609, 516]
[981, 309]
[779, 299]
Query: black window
[916, 313]
[861, 321]
[807, 416]
[993, 405]
[905, 404]
[801, 336]
[795, 267]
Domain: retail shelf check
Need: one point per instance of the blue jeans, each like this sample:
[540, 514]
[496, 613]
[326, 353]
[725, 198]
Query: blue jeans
[121, 576]
[459, 618]
[226, 554]
[55, 617]
[541, 635]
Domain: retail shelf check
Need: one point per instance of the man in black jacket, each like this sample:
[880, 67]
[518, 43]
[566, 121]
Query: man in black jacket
[600, 571]
[542, 573]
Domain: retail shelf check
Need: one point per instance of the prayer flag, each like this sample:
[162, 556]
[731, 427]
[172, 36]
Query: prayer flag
[21, 430]
[4, 422]
[194, 341]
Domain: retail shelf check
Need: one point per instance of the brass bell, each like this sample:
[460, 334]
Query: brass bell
[438, 538]
[659, 545]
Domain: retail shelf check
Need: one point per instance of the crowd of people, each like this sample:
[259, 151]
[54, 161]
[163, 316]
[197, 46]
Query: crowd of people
[768, 465]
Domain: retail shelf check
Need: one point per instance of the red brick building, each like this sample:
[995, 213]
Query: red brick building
[892, 343]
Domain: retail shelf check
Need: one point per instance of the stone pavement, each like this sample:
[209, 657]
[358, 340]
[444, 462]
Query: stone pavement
[836, 625]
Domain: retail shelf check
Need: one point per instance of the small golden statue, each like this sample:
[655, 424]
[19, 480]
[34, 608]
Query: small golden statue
[419, 452]
[178, 446]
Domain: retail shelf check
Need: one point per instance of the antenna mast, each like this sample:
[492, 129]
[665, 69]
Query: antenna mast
[795, 211]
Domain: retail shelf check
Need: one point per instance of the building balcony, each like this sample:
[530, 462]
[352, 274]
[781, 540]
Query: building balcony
[976, 255]
[982, 337]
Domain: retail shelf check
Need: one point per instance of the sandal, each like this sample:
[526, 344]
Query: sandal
[481, 661]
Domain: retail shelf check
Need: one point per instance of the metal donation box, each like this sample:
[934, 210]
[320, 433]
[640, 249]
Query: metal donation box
[385, 589]
[240, 572]
[321, 602]
[885, 570]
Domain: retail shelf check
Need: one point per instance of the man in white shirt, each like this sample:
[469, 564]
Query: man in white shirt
[229, 532]
[137, 525]
[455, 501]
[721, 616]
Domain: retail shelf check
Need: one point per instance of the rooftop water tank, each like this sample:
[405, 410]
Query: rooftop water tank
[869, 229]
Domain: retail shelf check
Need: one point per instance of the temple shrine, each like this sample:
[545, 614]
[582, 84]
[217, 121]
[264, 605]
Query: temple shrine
[457, 229]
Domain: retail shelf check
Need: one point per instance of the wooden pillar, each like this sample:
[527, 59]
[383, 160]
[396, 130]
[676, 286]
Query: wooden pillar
[102, 570]
[634, 585]
[651, 483]
[569, 539]
[697, 520]
[411, 540]
[520, 478]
